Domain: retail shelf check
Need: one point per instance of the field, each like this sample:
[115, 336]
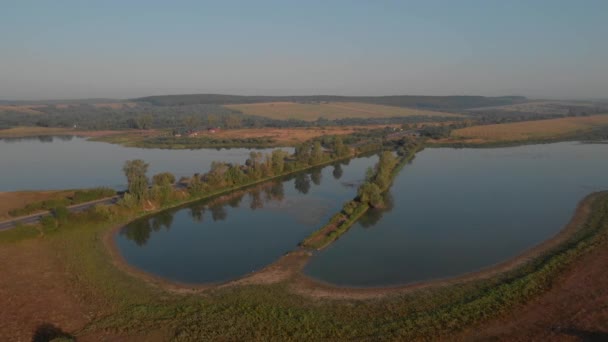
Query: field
[329, 110]
[19, 199]
[530, 130]
[285, 136]
[26, 109]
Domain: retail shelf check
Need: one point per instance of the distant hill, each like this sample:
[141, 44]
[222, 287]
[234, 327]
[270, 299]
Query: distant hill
[423, 102]
[55, 102]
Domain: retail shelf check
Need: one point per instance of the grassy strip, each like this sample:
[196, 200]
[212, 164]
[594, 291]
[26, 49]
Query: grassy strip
[182, 143]
[342, 221]
[80, 196]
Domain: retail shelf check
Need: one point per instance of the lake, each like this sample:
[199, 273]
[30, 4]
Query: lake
[220, 240]
[74, 162]
[454, 211]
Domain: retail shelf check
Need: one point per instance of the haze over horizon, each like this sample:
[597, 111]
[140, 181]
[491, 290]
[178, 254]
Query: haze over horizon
[111, 49]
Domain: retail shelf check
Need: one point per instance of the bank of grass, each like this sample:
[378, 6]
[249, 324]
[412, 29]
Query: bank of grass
[15, 200]
[19, 132]
[56, 199]
[129, 305]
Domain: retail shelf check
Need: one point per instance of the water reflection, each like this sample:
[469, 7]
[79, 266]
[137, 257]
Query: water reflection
[302, 183]
[374, 215]
[271, 194]
[460, 210]
[337, 173]
[232, 235]
[268, 194]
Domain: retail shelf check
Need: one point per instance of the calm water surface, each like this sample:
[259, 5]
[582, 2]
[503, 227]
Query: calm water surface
[73, 162]
[215, 242]
[454, 211]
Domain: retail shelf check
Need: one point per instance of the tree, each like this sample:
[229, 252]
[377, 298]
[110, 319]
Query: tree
[144, 121]
[192, 122]
[135, 171]
[370, 194]
[163, 179]
[316, 155]
[212, 120]
[340, 149]
[278, 161]
[302, 152]
[233, 121]
[196, 187]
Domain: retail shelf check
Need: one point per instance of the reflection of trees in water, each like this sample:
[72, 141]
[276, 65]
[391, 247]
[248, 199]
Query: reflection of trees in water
[373, 215]
[235, 201]
[275, 191]
[338, 171]
[218, 212]
[315, 176]
[197, 212]
[138, 231]
[256, 199]
[162, 219]
[302, 183]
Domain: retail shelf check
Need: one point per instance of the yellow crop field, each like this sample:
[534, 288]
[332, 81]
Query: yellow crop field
[329, 110]
[539, 129]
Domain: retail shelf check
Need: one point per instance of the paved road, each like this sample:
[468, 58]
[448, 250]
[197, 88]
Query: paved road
[5, 225]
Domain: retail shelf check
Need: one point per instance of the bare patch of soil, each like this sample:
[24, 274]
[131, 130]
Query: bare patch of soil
[36, 291]
[575, 309]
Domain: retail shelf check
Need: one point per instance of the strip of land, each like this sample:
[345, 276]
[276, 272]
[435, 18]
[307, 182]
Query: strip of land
[330, 110]
[528, 130]
[24, 132]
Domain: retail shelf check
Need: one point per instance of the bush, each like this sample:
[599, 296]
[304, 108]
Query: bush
[61, 213]
[48, 222]
[82, 196]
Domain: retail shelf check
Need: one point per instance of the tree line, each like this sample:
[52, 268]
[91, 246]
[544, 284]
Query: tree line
[161, 189]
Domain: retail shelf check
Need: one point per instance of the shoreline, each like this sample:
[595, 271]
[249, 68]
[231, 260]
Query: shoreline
[288, 268]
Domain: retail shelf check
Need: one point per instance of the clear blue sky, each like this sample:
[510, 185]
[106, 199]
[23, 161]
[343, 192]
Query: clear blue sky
[77, 49]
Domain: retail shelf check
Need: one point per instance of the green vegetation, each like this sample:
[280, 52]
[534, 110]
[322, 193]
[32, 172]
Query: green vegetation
[249, 312]
[135, 171]
[173, 142]
[369, 195]
[80, 196]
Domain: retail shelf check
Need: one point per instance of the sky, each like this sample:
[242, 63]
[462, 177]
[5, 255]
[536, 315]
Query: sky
[122, 49]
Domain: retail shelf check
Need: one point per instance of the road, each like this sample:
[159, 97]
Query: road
[5, 225]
